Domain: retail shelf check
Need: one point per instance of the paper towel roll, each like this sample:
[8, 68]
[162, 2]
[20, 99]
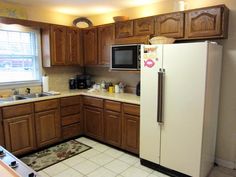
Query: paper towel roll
[45, 83]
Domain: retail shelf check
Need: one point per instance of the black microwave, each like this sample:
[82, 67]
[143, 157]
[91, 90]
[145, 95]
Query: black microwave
[125, 57]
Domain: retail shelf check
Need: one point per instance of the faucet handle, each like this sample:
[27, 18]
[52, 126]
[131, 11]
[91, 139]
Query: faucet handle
[27, 90]
[15, 91]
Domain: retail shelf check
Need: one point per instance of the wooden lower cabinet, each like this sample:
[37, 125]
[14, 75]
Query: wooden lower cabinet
[131, 133]
[48, 127]
[2, 143]
[19, 134]
[112, 128]
[93, 122]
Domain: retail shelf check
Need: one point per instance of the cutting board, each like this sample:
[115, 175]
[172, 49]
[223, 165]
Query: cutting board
[6, 171]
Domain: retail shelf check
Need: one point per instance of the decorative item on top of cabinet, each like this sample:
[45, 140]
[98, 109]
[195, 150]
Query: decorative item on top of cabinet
[106, 36]
[207, 22]
[144, 26]
[47, 122]
[19, 130]
[170, 25]
[90, 42]
[124, 29]
[130, 124]
[93, 117]
[1, 130]
[112, 122]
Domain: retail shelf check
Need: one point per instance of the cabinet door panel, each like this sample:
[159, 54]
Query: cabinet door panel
[19, 134]
[106, 36]
[170, 25]
[48, 128]
[124, 29]
[93, 122]
[73, 50]
[144, 26]
[203, 23]
[58, 41]
[112, 128]
[131, 133]
[90, 42]
[1, 130]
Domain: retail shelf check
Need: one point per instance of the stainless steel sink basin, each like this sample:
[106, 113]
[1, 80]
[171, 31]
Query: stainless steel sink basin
[22, 97]
[36, 95]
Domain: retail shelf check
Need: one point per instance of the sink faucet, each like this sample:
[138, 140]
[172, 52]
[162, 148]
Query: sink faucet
[15, 91]
[27, 90]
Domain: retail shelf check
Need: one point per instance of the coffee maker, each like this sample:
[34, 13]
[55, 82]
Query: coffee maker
[83, 81]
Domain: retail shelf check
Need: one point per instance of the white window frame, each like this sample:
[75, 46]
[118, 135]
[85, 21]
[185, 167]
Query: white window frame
[28, 83]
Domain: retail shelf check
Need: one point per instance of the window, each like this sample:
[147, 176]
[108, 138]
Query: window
[19, 55]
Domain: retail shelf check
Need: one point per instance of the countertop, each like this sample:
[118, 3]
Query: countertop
[122, 97]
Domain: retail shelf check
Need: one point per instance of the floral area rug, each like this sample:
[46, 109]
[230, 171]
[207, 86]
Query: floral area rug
[55, 154]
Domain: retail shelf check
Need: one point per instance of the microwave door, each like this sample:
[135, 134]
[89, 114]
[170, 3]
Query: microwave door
[124, 57]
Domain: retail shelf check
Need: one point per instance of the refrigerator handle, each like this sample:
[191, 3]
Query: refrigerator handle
[160, 96]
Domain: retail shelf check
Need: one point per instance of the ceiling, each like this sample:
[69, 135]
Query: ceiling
[83, 7]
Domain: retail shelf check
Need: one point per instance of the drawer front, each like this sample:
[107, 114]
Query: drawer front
[70, 101]
[90, 101]
[46, 105]
[18, 110]
[69, 110]
[112, 105]
[71, 131]
[131, 109]
[68, 120]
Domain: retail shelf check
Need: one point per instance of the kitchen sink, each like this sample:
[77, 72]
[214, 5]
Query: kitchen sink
[23, 96]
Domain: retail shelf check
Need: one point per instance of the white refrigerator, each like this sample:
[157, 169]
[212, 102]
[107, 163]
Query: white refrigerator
[180, 86]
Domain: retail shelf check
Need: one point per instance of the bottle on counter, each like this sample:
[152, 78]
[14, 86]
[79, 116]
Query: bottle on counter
[111, 88]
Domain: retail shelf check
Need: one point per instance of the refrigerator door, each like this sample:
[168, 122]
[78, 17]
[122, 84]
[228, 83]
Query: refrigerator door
[184, 91]
[151, 62]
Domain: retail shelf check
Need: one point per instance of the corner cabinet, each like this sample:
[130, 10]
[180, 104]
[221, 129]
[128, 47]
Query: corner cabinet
[47, 122]
[207, 22]
[106, 36]
[90, 46]
[170, 25]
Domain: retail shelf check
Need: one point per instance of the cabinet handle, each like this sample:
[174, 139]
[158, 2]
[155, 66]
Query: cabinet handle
[160, 96]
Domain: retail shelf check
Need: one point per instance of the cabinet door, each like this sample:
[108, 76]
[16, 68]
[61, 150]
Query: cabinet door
[203, 23]
[58, 43]
[48, 127]
[90, 42]
[170, 25]
[73, 47]
[144, 26]
[19, 134]
[130, 133]
[124, 29]
[112, 128]
[93, 122]
[106, 36]
[1, 130]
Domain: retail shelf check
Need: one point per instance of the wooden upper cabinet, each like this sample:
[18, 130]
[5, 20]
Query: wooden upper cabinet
[58, 42]
[124, 29]
[106, 36]
[90, 42]
[73, 56]
[205, 22]
[170, 25]
[144, 26]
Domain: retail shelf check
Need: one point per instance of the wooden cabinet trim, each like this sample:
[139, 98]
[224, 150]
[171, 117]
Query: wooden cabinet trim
[68, 101]
[92, 101]
[112, 105]
[17, 110]
[46, 105]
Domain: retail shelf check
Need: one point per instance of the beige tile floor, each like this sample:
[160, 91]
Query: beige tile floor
[104, 161]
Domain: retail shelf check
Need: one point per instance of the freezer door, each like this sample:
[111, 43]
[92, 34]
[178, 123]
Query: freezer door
[184, 89]
[151, 62]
